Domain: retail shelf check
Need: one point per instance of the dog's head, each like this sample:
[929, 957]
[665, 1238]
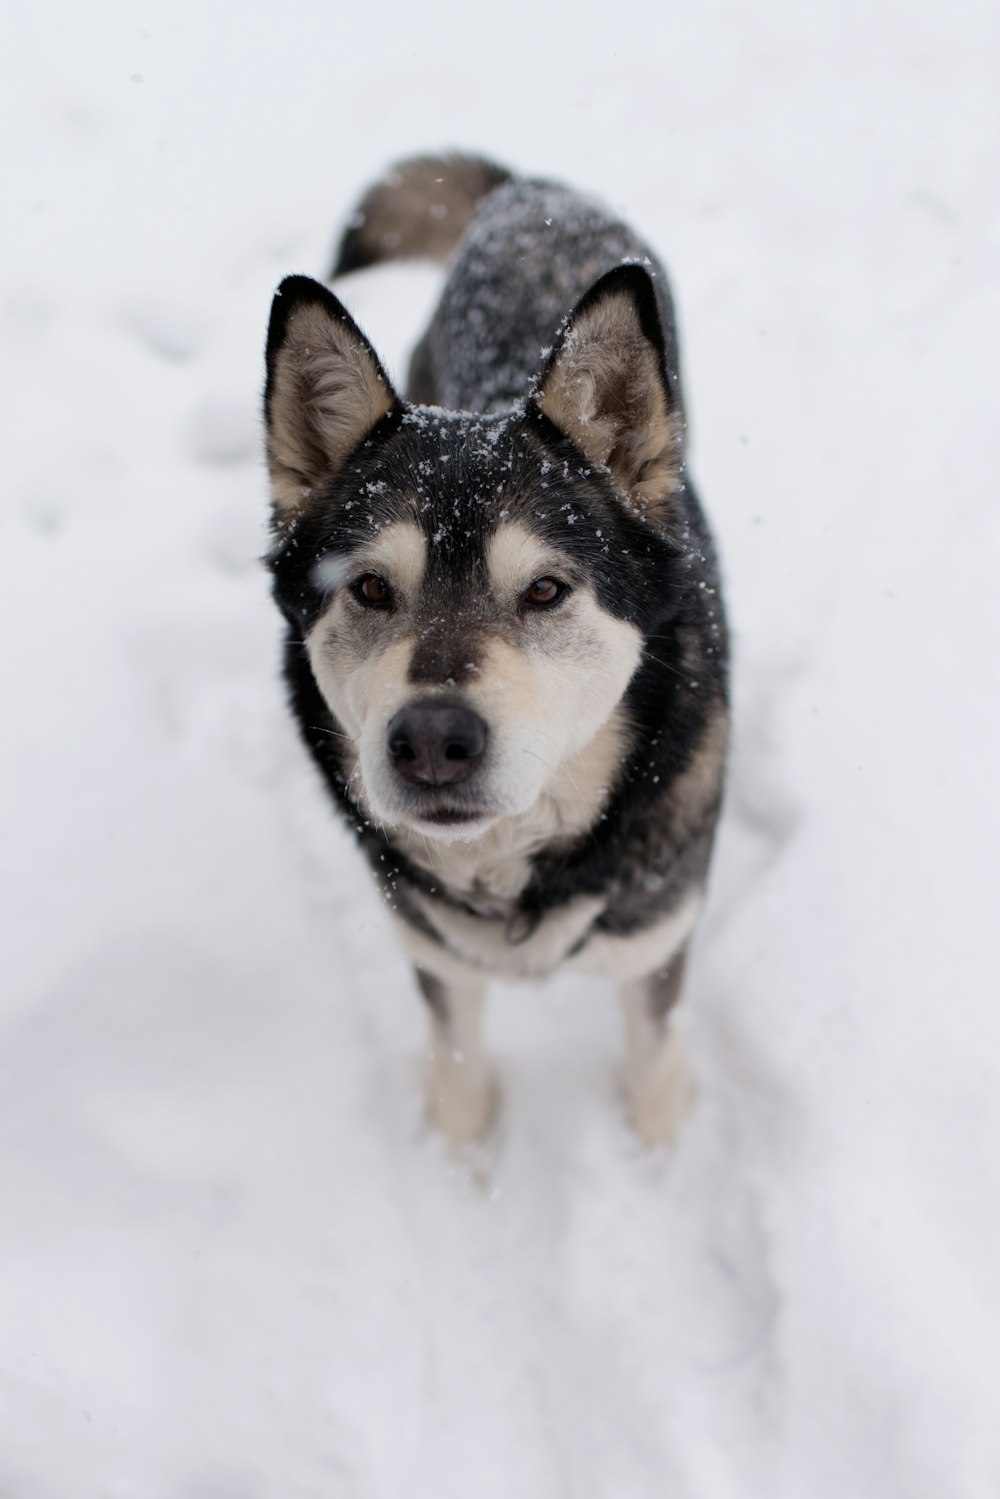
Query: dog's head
[475, 593]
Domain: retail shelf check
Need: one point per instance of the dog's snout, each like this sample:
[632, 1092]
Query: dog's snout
[436, 744]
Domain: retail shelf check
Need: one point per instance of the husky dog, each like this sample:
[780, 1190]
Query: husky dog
[506, 647]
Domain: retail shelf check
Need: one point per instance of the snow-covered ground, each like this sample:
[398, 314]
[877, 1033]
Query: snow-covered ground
[233, 1265]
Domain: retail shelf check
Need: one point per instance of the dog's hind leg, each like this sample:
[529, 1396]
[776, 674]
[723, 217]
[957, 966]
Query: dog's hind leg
[659, 1090]
[461, 1089]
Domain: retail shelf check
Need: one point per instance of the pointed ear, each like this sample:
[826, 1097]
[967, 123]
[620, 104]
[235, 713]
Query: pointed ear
[325, 390]
[606, 387]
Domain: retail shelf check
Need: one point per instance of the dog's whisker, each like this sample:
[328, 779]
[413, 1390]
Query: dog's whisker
[536, 756]
[335, 733]
[563, 770]
[648, 655]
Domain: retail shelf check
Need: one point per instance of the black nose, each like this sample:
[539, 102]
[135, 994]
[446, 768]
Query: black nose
[436, 743]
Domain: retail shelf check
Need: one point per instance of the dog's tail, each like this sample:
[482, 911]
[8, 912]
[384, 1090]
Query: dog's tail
[418, 211]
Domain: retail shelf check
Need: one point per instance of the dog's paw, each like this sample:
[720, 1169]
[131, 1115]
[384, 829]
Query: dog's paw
[660, 1092]
[462, 1096]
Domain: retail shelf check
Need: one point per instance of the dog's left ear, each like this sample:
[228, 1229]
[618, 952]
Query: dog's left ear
[325, 391]
[605, 386]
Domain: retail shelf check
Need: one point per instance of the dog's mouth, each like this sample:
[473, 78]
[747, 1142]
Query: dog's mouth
[448, 821]
[452, 817]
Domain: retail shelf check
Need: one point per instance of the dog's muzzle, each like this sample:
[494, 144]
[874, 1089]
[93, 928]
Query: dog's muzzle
[436, 743]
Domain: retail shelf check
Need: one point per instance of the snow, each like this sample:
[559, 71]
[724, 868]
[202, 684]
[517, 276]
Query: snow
[234, 1265]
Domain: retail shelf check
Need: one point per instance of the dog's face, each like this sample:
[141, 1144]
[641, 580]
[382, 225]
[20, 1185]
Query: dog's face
[466, 676]
[471, 592]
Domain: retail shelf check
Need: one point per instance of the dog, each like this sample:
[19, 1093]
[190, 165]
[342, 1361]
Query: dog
[506, 646]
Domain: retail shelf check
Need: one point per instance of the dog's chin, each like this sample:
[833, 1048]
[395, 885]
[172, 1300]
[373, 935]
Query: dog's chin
[445, 814]
[448, 824]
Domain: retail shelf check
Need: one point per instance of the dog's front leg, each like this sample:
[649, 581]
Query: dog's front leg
[659, 1090]
[460, 1085]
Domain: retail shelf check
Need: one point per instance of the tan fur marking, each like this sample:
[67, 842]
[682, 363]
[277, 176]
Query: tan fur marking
[398, 554]
[697, 786]
[660, 1091]
[354, 683]
[328, 394]
[516, 558]
[459, 1082]
[605, 391]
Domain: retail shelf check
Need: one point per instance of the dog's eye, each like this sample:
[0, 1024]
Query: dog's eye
[544, 592]
[373, 591]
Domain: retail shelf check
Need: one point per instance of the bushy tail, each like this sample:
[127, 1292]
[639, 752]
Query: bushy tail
[419, 210]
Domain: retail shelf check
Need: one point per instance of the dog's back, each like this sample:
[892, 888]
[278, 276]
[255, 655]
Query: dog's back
[525, 252]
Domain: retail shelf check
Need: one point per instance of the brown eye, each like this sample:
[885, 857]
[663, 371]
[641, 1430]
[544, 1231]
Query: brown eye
[373, 590]
[544, 591]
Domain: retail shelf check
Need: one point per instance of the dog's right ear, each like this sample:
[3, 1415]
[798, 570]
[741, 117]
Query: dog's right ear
[325, 391]
[605, 385]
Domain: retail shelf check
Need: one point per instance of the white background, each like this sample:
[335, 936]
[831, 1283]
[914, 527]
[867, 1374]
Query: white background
[233, 1265]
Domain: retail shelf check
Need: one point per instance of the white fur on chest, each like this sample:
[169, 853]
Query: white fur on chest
[477, 947]
[480, 943]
